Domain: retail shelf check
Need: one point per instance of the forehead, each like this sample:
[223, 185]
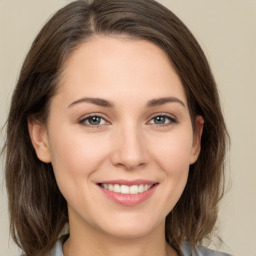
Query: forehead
[106, 65]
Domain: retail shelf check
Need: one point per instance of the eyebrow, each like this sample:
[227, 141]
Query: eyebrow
[105, 103]
[161, 101]
[96, 101]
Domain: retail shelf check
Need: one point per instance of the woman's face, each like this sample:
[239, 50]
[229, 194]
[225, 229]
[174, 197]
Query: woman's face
[119, 137]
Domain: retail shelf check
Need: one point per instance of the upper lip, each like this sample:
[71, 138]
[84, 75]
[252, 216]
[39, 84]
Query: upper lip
[129, 182]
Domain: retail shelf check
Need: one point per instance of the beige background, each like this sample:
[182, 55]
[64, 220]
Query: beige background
[226, 29]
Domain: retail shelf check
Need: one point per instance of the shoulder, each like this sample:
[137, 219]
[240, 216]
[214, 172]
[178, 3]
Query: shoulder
[57, 250]
[187, 250]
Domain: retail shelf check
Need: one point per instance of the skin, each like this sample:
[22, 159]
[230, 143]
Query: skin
[127, 144]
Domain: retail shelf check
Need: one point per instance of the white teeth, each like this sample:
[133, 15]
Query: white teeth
[146, 187]
[116, 188]
[134, 189]
[110, 187]
[124, 189]
[141, 188]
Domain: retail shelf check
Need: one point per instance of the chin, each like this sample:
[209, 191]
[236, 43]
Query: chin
[128, 229]
[130, 233]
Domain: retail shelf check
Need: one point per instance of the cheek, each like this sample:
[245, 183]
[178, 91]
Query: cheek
[173, 152]
[75, 152]
[173, 157]
[74, 158]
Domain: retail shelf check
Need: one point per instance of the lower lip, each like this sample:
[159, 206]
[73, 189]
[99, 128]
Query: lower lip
[129, 199]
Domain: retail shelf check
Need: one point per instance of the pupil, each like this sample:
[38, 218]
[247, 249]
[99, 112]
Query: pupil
[160, 120]
[94, 120]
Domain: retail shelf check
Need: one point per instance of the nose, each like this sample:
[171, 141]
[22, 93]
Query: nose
[130, 149]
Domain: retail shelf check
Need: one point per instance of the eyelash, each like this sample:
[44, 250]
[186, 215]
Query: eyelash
[87, 118]
[171, 120]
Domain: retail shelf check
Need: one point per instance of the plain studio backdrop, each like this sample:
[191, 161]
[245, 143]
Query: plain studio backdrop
[226, 30]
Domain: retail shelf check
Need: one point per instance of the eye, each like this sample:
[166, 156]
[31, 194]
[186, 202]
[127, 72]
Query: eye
[162, 120]
[93, 120]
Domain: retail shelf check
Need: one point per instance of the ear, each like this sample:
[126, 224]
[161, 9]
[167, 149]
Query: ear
[39, 138]
[198, 130]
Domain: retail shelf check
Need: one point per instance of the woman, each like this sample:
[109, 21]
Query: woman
[115, 136]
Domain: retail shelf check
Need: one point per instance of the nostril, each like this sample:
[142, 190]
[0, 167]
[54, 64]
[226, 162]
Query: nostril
[129, 153]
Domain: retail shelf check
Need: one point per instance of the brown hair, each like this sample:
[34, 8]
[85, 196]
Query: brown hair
[38, 211]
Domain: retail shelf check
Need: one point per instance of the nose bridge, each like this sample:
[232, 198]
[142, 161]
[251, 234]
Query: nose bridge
[130, 147]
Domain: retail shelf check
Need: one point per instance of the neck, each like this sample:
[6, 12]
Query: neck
[92, 242]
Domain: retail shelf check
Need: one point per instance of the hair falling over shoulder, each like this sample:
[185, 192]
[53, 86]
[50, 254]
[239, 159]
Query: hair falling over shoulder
[38, 211]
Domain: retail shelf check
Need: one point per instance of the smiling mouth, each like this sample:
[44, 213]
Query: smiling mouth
[127, 190]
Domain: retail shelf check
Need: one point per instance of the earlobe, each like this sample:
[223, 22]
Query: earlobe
[39, 139]
[199, 124]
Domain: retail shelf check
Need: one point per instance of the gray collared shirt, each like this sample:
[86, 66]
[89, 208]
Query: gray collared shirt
[186, 249]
